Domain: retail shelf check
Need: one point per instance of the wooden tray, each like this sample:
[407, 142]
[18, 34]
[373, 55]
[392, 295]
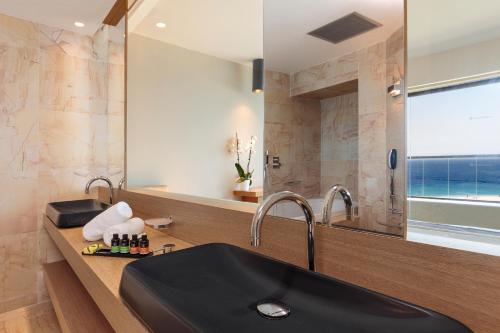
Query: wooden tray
[108, 253]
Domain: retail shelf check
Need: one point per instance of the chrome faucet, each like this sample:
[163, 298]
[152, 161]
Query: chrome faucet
[270, 202]
[107, 180]
[121, 183]
[330, 196]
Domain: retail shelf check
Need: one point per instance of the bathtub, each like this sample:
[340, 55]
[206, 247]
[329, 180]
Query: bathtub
[291, 210]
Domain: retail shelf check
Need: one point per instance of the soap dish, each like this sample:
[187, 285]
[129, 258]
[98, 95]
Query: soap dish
[108, 253]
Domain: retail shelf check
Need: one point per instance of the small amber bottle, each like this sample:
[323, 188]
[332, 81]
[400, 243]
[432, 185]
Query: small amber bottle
[115, 244]
[134, 245]
[124, 244]
[144, 244]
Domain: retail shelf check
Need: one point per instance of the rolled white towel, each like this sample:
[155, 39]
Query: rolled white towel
[130, 227]
[115, 214]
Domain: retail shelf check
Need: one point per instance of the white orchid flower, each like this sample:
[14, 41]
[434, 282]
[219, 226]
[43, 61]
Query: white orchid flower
[235, 147]
[251, 145]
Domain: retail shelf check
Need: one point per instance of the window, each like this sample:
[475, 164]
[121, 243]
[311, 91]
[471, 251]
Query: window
[454, 142]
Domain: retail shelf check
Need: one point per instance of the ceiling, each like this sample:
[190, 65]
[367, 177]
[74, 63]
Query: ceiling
[232, 29]
[227, 29]
[63, 13]
[437, 26]
[288, 48]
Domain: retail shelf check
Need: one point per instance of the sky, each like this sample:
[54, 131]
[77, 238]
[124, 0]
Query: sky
[456, 122]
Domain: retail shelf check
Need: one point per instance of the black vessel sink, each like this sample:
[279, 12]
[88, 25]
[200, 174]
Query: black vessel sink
[217, 287]
[67, 214]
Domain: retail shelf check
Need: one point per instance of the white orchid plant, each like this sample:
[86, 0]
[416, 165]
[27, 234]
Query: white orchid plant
[238, 149]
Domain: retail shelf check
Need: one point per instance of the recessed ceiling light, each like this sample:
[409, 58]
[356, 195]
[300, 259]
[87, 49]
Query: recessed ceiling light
[161, 25]
[79, 24]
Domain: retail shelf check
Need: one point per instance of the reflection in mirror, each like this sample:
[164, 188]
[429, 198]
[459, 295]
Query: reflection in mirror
[453, 121]
[335, 108]
[190, 92]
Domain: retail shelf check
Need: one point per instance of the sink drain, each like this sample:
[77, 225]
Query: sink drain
[273, 309]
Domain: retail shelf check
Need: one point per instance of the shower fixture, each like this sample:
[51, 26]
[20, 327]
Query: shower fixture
[392, 162]
[345, 28]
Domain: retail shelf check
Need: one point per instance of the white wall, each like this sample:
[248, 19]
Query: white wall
[183, 107]
[453, 64]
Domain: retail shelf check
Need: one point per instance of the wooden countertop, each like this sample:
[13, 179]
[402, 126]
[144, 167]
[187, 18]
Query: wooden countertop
[247, 207]
[101, 276]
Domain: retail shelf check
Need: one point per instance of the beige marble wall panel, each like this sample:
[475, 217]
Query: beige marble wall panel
[339, 128]
[333, 72]
[396, 124]
[18, 131]
[372, 137]
[292, 132]
[39, 318]
[19, 68]
[18, 204]
[115, 54]
[61, 122]
[116, 117]
[380, 125]
[115, 82]
[19, 92]
[17, 32]
[18, 273]
[72, 84]
[343, 172]
[372, 82]
[339, 143]
[115, 146]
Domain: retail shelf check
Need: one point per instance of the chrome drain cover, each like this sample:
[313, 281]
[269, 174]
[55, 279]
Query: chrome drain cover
[273, 309]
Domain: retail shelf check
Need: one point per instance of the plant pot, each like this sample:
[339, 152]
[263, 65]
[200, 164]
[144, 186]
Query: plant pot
[245, 185]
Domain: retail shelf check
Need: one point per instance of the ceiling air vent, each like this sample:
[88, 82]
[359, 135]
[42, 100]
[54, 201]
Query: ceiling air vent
[344, 28]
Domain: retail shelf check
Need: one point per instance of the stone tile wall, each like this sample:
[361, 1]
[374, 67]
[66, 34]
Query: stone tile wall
[339, 143]
[292, 131]
[396, 122]
[61, 122]
[380, 126]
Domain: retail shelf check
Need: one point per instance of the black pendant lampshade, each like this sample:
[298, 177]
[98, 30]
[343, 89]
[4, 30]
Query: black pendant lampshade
[258, 76]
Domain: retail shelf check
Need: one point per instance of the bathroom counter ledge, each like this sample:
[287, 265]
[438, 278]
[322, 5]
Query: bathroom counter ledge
[101, 275]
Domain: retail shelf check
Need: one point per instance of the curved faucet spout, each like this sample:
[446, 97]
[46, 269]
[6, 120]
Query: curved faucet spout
[121, 183]
[303, 204]
[107, 180]
[330, 197]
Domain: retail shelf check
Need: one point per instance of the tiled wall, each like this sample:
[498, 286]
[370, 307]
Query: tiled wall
[380, 126]
[372, 140]
[339, 143]
[292, 131]
[396, 123]
[61, 122]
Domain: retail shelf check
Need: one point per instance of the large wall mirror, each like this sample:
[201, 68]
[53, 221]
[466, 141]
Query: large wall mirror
[334, 104]
[453, 118]
[190, 92]
[331, 110]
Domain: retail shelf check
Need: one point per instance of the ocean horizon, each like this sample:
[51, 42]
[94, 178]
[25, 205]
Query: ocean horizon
[474, 178]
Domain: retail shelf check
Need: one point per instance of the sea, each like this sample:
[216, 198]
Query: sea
[455, 177]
